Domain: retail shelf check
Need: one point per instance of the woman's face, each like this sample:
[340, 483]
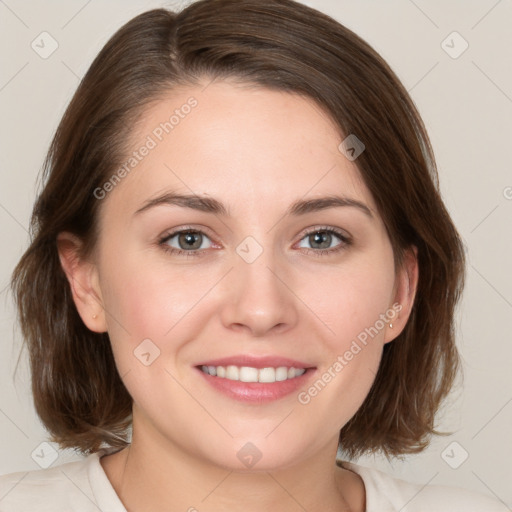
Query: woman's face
[271, 275]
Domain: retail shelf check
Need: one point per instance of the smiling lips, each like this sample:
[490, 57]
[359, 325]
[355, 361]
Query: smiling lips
[255, 379]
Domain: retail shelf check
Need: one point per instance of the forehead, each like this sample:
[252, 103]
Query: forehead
[249, 145]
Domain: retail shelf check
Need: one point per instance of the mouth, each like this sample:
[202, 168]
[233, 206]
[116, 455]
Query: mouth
[256, 379]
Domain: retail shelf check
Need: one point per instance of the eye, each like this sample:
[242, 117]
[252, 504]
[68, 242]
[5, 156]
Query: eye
[325, 240]
[191, 242]
[185, 241]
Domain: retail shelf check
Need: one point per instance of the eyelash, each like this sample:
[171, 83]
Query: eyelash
[345, 242]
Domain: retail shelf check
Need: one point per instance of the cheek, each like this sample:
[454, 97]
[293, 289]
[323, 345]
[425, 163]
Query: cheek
[352, 299]
[352, 303]
[139, 294]
[146, 299]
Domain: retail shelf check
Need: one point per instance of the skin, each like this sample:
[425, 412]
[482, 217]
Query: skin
[257, 151]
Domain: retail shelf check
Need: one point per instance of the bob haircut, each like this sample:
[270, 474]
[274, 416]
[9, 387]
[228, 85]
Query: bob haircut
[280, 45]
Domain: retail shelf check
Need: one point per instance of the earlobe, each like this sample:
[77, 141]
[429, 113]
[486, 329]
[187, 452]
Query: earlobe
[83, 280]
[405, 293]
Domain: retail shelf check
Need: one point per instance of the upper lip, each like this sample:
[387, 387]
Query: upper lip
[256, 362]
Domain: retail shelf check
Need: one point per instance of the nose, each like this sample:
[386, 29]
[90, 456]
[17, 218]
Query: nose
[259, 297]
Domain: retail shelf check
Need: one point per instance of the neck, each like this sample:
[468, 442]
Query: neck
[148, 476]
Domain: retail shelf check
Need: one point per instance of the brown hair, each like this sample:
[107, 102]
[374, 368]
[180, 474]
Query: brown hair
[282, 45]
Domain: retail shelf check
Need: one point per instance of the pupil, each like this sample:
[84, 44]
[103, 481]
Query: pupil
[322, 238]
[190, 240]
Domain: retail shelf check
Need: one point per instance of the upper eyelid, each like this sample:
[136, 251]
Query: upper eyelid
[183, 229]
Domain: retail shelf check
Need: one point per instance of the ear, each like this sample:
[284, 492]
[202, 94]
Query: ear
[406, 283]
[83, 279]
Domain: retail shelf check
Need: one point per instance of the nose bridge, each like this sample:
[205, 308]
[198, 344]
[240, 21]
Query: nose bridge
[256, 267]
[259, 298]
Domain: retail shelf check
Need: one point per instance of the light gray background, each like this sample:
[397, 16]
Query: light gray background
[466, 103]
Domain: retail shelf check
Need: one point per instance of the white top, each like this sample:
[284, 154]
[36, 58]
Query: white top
[83, 486]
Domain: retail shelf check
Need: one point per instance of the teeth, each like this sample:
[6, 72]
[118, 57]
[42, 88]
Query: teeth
[281, 373]
[267, 375]
[249, 374]
[232, 373]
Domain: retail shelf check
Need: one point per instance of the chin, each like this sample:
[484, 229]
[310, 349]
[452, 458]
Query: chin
[246, 454]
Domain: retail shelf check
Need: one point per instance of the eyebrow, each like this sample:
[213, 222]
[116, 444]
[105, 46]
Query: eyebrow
[211, 205]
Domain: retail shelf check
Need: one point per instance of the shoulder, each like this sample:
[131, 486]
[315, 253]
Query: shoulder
[385, 493]
[64, 487]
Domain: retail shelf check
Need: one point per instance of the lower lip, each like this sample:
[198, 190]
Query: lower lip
[257, 392]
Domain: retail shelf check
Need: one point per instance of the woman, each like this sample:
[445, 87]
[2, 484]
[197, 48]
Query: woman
[240, 263]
